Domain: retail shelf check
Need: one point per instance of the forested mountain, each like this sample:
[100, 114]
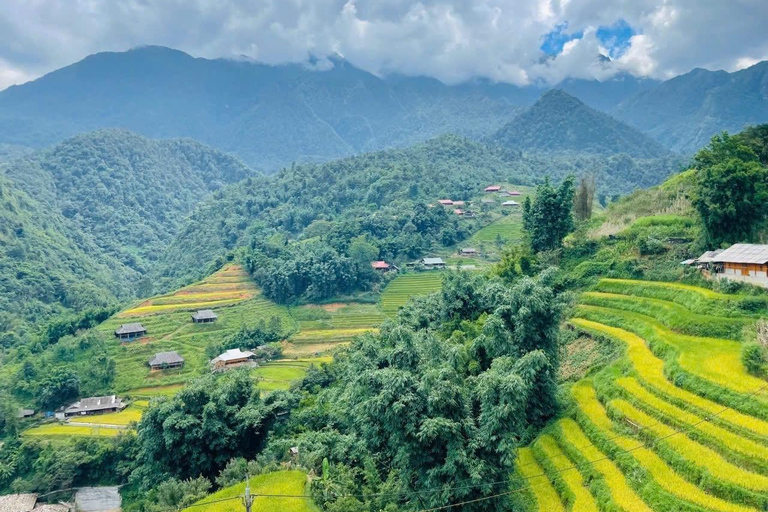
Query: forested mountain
[124, 192]
[361, 195]
[83, 221]
[45, 265]
[270, 116]
[685, 111]
[558, 122]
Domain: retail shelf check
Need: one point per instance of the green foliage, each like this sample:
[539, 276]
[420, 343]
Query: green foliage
[548, 218]
[211, 421]
[755, 358]
[441, 395]
[176, 494]
[731, 193]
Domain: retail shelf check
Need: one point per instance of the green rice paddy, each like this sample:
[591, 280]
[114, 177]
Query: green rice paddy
[405, 286]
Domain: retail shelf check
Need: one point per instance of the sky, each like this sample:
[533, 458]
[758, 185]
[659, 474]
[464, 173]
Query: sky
[513, 41]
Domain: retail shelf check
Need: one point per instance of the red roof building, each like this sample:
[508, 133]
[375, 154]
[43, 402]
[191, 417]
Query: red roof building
[458, 211]
[493, 188]
[380, 265]
[445, 202]
[514, 193]
[458, 203]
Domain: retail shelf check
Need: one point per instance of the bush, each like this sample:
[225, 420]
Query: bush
[754, 358]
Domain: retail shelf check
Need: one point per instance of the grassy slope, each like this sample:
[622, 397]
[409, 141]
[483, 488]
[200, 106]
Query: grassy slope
[402, 288]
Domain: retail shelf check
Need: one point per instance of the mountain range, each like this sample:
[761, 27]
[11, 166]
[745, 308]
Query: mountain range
[272, 116]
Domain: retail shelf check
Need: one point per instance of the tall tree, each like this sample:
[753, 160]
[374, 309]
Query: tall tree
[731, 191]
[584, 198]
[548, 218]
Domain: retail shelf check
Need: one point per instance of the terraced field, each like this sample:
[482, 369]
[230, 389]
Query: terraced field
[286, 483]
[676, 424]
[325, 327]
[509, 228]
[229, 292]
[405, 286]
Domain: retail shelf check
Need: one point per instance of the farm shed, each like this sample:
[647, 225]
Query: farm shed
[25, 413]
[510, 203]
[468, 251]
[163, 360]
[92, 405]
[742, 262]
[131, 331]
[492, 188]
[233, 357]
[458, 211]
[445, 202]
[204, 316]
[18, 502]
[432, 263]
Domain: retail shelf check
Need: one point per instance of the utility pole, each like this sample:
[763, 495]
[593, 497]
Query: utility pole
[248, 499]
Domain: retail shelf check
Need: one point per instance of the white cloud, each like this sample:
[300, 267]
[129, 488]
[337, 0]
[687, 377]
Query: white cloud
[452, 40]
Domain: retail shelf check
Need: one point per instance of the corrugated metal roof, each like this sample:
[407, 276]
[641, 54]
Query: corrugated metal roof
[234, 354]
[708, 256]
[743, 253]
[205, 314]
[433, 261]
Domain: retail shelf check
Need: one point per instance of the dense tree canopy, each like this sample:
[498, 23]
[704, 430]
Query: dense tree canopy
[548, 218]
[731, 193]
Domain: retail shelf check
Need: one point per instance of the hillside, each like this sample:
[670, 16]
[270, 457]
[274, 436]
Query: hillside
[558, 122]
[125, 193]
[685, 111]
[395, 184]
[46, 267]
[269, 116]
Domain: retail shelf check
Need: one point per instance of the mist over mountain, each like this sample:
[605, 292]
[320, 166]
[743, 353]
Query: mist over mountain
[560, 122]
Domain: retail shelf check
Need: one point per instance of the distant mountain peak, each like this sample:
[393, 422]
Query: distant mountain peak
[559, 122]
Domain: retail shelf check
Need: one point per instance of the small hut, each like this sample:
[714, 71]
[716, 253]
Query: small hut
[128, 332]
[204, 316]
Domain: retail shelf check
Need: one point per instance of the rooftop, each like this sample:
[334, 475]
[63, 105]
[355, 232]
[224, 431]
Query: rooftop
[205, 314]
[380, 264]
[234, 354]
[432, 261]
[95, 403]
[708, 256]
[130, 329]
[510, 203]
[162, 358]
[18, 502]
[743, 253]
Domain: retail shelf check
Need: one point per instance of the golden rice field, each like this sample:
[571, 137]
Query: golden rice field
[676, 424]
[57, 430]
[290, 483]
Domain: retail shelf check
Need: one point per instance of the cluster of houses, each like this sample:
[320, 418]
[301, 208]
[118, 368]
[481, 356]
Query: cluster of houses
[134, 331]
[747, 263]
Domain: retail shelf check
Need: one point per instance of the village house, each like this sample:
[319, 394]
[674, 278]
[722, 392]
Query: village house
[128, 332]
[513, 193]
[492, 188]
[233, 358]
[458, 211]
[432, 263]
[204, 316]
[383, 266]
[445, 202]
[166, 360]
[510, 203]
[742, 262]
[469, 251]
[459, 203]
[25, 413]
[92, 405]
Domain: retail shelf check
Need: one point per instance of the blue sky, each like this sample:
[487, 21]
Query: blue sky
[615, 38]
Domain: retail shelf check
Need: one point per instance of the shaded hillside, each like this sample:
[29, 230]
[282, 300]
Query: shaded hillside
[363, 192]
[270, 116]
[124, 193]
[558, 122]
[45, 266]
[685, 111]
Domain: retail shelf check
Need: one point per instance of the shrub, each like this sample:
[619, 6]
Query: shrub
[754, 358]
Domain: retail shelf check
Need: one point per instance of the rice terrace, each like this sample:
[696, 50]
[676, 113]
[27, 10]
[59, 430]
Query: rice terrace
[676, 424]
